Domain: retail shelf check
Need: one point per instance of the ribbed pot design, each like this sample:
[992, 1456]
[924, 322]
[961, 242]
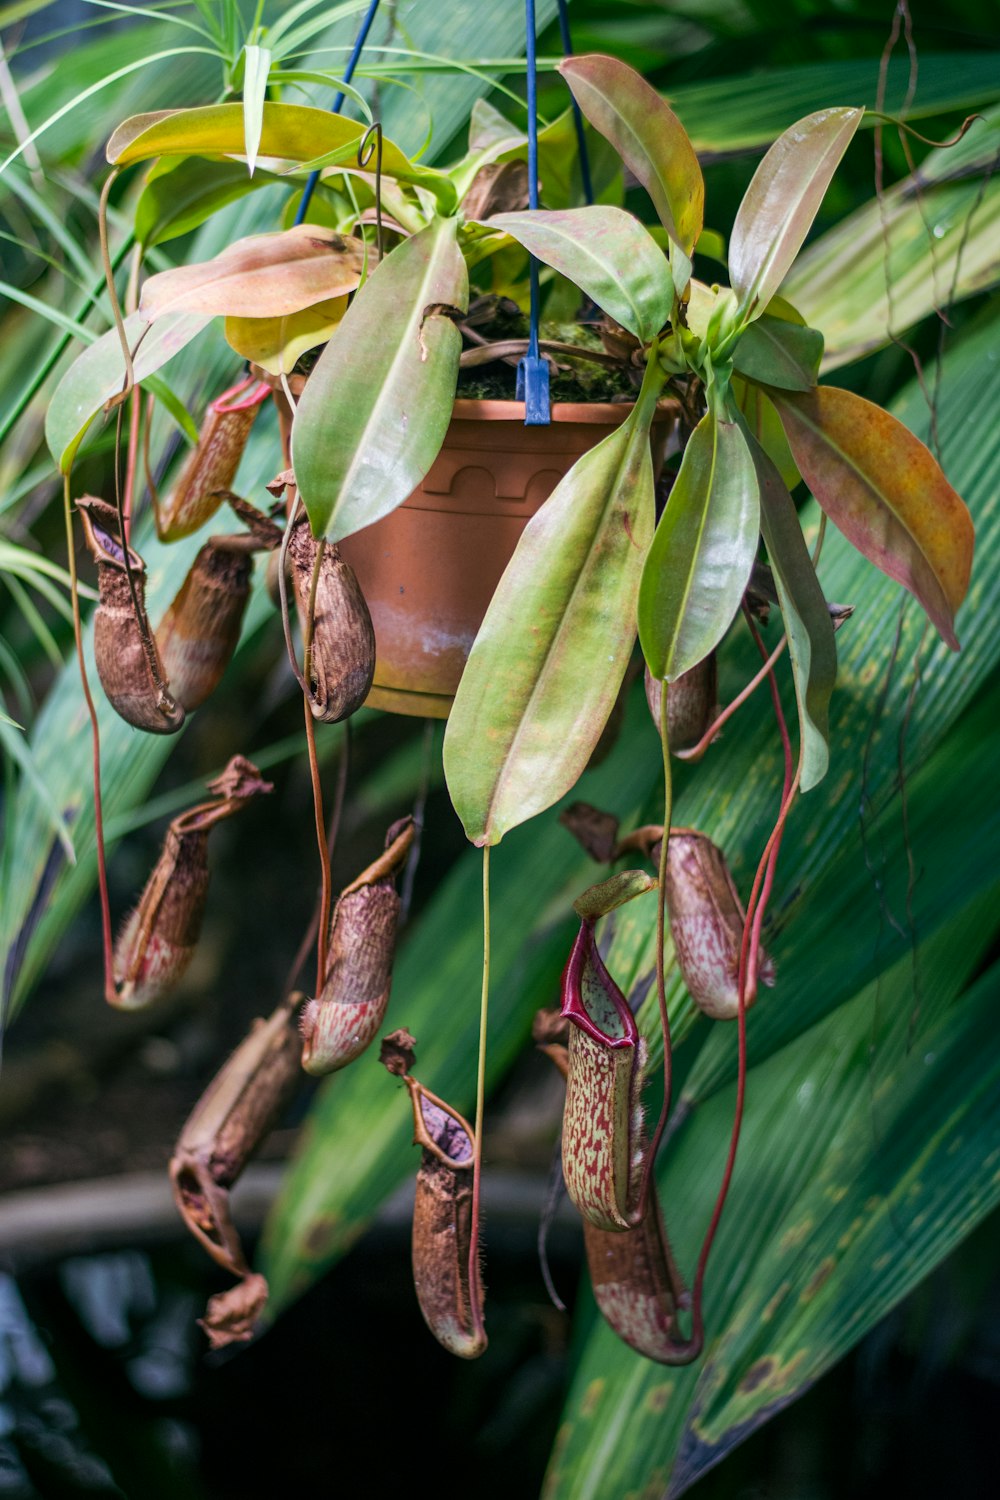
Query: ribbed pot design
[429, 569]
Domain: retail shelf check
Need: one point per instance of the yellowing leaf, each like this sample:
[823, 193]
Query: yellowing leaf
[886, 492]
[276, 343]
[263, 276]
[289, 132]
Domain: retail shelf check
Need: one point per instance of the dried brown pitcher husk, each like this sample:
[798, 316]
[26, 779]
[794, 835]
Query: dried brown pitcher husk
[125, 653]
[691, 703]
[209, 472]
[344, 1019]
[442, 1212]
[157, 941]
[200, 631]
[230, 1121]
[341, 664]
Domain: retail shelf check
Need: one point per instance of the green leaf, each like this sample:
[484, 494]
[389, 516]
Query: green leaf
[700, 559]
[293, 132]
[804, 613]
[886, 492]
[931, 242]
[17, 747]
[781, 202]
[742, 114]
[777, 352]
[98, 374]
[377, 404]
[264, 275]
[607, 254]
[649, 138]
[182, 192]
[549, 658]
[256, 66]
[765, 424]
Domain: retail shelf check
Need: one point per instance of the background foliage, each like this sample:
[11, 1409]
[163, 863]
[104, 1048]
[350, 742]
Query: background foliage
[872, 1144]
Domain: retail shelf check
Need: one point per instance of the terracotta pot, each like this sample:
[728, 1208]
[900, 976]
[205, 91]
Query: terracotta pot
[429, 570]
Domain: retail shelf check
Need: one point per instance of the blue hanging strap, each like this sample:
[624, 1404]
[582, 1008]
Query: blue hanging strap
[533, 371]
[338, 103]
[581, 137]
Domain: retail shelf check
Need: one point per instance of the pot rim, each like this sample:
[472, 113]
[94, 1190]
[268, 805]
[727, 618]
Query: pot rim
[466, 409]
[604, 412]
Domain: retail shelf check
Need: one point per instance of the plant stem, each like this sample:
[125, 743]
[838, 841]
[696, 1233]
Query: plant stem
[326, 884]
[477, 1164]
[109, 277]
[102, 869]
[697, 751]
[661, 983]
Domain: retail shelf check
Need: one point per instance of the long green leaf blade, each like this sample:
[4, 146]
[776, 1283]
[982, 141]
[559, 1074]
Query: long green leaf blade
[549, 658]
[701, 556]
[368, 429]
[806, 618]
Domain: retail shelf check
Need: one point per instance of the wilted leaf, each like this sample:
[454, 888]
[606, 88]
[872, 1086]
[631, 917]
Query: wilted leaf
[700, 559]
[607, 254]
[551, 653]
[886, 492]
[375, 409]
[98, 374]
[276, 343]
[781, 202]
[805, 615]
[264, 276]
[647, 135]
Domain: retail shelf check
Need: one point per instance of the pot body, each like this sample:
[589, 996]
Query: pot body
[430, 568]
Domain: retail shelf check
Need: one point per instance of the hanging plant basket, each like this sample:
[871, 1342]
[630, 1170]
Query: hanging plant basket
[429, 569]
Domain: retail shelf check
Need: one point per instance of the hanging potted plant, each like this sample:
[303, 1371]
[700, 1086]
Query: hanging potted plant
[376, 438]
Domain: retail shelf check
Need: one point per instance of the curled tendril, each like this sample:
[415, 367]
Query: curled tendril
[371, 145]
